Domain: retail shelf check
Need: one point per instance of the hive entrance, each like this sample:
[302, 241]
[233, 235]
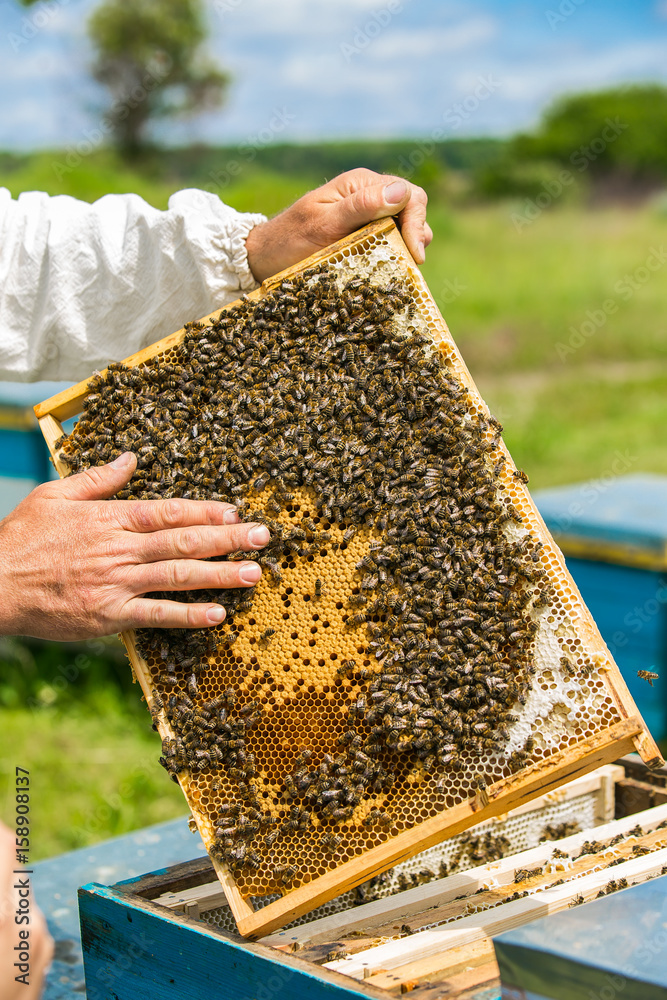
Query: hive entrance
[414, 639]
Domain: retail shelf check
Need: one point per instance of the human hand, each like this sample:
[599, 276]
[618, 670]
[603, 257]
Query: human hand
[74, 564]
[39, 941]
[333, 211]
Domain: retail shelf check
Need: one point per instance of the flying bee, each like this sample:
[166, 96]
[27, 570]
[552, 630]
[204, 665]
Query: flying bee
[648, 675]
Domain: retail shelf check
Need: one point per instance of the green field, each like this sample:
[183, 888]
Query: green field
[563, 325]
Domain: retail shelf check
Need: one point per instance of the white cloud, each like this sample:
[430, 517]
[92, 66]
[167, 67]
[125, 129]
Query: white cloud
[646, 60]
[423, 42]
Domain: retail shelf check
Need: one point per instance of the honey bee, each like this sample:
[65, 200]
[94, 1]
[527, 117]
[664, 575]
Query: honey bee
[325, 384]
[648, 675]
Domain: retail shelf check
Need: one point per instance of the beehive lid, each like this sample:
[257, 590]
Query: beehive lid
[615, 944]
[621, 520]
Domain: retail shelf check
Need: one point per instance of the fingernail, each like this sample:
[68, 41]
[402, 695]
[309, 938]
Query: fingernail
[395, 192]
[230, 516]
[122, 461]
[216, 615]
[250, 572]
[259, 535]
[422, 251]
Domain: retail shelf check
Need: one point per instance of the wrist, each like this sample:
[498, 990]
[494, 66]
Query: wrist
[256, 244]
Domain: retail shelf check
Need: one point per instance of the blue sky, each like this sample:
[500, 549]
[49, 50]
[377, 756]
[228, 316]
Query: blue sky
[314, 69]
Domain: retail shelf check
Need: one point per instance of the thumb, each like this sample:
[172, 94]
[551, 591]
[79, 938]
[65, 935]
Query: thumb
[97, 483]
[375, 201]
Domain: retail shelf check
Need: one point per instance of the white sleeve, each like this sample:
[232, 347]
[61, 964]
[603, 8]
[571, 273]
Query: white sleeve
[82, 285]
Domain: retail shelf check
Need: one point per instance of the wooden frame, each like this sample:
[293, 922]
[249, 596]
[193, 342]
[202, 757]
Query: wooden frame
[600, 783]
[604, 746]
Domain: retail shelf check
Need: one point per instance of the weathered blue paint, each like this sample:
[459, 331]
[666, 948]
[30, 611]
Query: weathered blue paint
[614, 947]
[23, 453]
[134, 950]
[56, 881]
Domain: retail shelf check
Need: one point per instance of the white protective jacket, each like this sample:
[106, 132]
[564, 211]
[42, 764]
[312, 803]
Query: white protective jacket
[82, 285]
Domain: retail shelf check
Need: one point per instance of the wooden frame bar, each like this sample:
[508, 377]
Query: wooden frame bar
[604, 746]
[496, 920]
[209, 896]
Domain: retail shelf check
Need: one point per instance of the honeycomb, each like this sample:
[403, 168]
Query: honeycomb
[289, 668]
[511, 835]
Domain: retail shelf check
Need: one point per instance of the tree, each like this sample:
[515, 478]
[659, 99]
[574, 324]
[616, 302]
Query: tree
[617, 137]
[149, 54]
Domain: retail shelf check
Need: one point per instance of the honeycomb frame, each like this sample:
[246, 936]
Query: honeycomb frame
[567, 628]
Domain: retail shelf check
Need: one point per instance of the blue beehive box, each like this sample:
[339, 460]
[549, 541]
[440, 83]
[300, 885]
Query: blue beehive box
[24, 456]
[614, 948]
[614, 538]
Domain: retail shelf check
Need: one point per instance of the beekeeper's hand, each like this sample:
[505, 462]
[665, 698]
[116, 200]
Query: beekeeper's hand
[335, 210]
[74, 564]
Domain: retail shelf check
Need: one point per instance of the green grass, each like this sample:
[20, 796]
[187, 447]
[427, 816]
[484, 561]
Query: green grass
[510, 298]
[93, 771]
[522, 292]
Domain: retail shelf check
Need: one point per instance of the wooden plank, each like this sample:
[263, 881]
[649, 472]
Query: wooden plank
[498, 919]
[452, 961]
[606, 799]
[179, 878]
[499, 894]
[633, 795]
[52, 430]
[600, 748]
[414, 900]
[371, 915]
[134, 949]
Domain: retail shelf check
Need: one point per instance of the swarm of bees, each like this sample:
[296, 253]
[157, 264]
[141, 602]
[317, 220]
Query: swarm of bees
[315, 387]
